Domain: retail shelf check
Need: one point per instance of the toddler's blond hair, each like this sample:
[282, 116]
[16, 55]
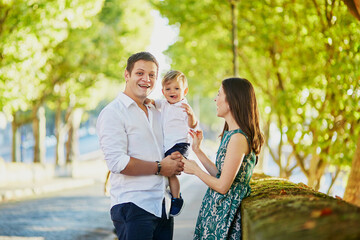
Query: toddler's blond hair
[174, 75]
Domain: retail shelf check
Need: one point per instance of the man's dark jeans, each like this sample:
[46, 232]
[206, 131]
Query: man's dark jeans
[134, 223]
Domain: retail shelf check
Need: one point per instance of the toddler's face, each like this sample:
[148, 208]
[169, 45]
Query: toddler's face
[174, 91]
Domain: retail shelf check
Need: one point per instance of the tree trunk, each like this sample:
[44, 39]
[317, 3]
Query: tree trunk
[334, 176]
[60, 138]
[265, 150]
[312, 171]
[39, 130]
[354, 7]
[316, 171]
[352, 191]
[196, 106]
[15, 153]
[72, 144]
[235, 42]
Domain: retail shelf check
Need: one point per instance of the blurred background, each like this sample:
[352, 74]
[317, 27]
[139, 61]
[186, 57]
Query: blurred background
[62, 61]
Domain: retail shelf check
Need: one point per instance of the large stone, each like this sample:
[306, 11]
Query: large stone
[282, 210]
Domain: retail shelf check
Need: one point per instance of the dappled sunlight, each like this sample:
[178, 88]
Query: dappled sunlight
[61, 62]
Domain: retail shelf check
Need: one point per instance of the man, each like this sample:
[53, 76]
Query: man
[131, 139]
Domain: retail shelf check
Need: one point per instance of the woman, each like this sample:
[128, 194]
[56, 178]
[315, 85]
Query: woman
[228, 179]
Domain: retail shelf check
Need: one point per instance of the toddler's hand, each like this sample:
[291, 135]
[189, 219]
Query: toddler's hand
[187, 109]
[192, 122]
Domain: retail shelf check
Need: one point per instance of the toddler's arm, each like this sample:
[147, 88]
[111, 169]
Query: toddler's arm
[192, 121]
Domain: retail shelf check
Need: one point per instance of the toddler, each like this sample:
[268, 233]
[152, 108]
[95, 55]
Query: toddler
[177, 117]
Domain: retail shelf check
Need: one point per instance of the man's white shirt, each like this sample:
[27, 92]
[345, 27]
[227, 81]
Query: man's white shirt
[125, 131]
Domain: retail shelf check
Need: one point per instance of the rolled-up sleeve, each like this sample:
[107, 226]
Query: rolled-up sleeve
[110, 128]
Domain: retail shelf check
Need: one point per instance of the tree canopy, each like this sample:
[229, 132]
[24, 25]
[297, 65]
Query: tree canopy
[62, 53]
[302, 57]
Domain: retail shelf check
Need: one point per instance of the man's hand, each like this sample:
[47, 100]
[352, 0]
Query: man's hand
[172, 165]
[149, 101]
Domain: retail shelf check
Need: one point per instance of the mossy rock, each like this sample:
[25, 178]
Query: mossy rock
[279, 209]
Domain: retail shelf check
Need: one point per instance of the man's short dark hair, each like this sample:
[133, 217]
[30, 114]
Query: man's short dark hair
[146, 56]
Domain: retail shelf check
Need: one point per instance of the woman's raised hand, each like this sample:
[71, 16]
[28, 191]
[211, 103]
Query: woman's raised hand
[197, 137]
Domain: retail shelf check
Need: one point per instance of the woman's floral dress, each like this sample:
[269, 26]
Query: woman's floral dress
[219, 216]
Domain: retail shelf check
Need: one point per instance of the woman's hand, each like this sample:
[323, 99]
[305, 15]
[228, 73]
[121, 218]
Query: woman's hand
[197, 137]
[190, 166]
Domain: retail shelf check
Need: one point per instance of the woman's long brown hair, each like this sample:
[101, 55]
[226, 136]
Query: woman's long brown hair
[240, 96]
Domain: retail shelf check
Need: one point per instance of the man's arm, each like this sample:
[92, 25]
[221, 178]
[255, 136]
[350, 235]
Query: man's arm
[113, 142]
[171, 165]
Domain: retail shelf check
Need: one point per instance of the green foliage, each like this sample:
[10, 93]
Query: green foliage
[29, 32]
[203, 50]
[60, 50]
[63, 54]
[90, 57]
[303, 58]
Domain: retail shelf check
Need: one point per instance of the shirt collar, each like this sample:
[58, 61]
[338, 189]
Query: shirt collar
[127, 101]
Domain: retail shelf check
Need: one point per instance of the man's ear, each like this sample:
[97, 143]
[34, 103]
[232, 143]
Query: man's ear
[126, 75]
[186, 91]
[162, 90]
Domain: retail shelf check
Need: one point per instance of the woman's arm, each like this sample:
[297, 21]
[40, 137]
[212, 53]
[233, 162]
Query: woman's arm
[209, 165]
[236, 150]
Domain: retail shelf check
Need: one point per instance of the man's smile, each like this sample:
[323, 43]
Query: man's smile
[144, 85]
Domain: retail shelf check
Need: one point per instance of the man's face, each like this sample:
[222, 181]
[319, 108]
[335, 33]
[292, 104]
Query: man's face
[141, 81]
